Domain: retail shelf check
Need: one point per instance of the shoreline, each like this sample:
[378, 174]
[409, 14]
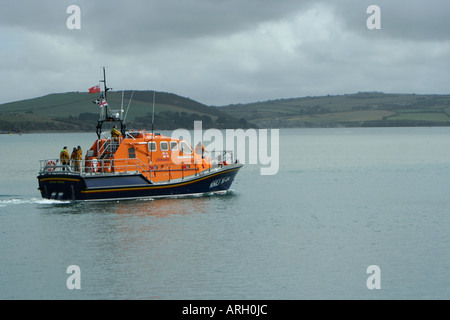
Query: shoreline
[318, 127]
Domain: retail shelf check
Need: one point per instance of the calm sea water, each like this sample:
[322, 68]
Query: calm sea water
[343, 200]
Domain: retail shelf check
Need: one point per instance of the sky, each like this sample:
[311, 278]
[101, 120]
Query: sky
[221, 52]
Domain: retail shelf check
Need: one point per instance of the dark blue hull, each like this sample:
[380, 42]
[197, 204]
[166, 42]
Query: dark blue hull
[75, 187]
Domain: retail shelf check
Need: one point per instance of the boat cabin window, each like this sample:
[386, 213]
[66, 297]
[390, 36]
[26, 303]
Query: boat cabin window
[185, 148]
[131, 153]
[152, 146]
[173, 145]
[164, 146]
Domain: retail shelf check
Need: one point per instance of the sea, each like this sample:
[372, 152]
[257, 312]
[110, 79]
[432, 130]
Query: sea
[351, 213]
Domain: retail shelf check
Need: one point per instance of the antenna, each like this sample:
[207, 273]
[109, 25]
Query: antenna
[121, 107]
[129, 102]
[153, 114]
[153, 121]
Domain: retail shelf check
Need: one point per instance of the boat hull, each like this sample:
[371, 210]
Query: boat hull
[76, 187]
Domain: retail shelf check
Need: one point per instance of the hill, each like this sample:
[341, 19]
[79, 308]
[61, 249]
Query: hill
[75, 111]
[361, 109]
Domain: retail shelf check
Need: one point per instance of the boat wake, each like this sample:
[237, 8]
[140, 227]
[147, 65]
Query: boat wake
[12, 200]
[20, 201]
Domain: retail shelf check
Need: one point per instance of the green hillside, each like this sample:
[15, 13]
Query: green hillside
[75, 111]
[350, 110]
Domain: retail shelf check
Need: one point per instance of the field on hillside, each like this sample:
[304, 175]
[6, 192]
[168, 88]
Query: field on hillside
[361, 109]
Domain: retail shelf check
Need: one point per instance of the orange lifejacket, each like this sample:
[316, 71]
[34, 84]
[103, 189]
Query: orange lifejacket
[115, 133]
[64, 156]
[79, 154]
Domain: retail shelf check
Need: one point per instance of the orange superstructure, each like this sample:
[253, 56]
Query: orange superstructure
[157, 157]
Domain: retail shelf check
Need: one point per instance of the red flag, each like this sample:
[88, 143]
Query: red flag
[94, 89]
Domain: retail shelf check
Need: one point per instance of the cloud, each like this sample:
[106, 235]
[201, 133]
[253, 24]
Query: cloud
[229, 51]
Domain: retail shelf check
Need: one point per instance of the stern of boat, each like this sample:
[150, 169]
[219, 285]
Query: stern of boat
[59, 182]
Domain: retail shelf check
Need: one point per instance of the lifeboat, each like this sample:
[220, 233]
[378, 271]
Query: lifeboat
[136, 164]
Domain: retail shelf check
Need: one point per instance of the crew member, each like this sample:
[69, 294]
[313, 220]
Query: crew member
[79, 157]
[115, 134]
[73, 157]
[64, 157]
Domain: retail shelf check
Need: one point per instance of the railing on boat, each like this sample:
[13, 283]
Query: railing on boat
[94, 166]
[218, 159]
[107, 147]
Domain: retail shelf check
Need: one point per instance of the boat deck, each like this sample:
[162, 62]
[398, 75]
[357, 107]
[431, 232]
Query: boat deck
[130, 167]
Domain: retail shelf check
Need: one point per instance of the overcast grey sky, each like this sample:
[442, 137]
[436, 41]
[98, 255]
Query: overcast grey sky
[221, 52]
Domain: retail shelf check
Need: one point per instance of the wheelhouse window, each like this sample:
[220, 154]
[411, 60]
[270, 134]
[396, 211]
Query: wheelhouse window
[173, 145]
[152, 146]
[164, 146]
[185, 148]
[131, 153]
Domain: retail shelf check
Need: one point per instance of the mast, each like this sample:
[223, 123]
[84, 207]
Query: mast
[105, 88]
[104, 81]
[106, 114]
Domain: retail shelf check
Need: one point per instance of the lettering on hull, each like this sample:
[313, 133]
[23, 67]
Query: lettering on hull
[219, 182]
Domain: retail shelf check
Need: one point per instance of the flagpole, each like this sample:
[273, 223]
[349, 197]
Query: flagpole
[104, 80]
[106, 90]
